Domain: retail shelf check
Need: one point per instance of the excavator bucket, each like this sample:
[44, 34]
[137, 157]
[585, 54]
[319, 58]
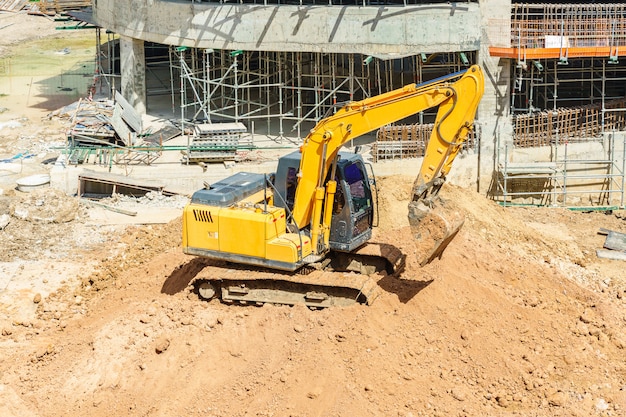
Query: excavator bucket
[434, 223]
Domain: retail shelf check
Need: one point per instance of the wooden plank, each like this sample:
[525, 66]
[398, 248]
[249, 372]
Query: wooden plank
[129, 115]
[12, 5]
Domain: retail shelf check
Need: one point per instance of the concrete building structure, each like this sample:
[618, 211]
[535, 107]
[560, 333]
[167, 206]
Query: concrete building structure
[284, 65]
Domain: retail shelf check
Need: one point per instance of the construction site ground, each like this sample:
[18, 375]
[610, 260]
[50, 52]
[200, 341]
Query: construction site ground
[98, 318]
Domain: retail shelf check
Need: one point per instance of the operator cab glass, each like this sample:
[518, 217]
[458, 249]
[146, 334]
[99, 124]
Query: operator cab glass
[353, 210]
[351, 224]
[356, 182]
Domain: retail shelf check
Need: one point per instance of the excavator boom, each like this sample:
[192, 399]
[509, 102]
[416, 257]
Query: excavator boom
[457, 97]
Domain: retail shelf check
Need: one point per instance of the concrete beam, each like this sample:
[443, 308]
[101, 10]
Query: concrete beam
[386, 30]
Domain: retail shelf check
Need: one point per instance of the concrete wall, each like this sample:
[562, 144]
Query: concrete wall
[391, 30]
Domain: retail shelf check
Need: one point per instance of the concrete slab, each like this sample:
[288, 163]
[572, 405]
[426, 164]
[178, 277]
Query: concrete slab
[381, 31]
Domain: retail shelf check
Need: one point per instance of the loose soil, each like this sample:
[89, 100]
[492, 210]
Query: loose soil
[518, 317]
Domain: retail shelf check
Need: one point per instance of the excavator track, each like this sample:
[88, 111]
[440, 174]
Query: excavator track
[315, 289]
[340, 280]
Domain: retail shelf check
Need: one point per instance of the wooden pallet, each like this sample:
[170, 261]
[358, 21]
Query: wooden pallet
[60, 6]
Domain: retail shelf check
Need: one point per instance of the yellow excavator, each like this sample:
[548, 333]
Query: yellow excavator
[314, 216]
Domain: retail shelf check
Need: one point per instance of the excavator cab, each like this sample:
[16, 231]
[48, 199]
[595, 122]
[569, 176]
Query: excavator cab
[353, 207]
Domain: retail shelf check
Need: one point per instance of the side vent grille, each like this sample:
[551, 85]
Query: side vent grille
[203, 216]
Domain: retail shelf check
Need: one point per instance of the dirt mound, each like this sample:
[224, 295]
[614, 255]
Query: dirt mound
[137, 247]
[516, 318]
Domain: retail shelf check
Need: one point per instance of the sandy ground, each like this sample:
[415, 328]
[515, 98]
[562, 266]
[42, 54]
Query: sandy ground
[518, 317]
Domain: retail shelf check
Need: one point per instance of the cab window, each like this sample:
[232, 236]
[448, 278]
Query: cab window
[358, 187]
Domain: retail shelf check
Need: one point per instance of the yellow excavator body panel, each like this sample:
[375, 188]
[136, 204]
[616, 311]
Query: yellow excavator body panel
[243, 233]
[200, 226]
[285, 248]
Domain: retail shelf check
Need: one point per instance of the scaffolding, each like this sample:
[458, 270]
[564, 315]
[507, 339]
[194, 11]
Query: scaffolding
[567, 86]
[565, 182]
[107, 76]
[283, 94]
[566, 73]
[563, 31]
[278, 95]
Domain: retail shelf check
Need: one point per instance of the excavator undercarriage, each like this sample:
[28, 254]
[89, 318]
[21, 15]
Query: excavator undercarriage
[340, 280]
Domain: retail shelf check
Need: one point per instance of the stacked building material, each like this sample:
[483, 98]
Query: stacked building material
[215, 142]
[52, 7]
[406, 141]
[578, 124]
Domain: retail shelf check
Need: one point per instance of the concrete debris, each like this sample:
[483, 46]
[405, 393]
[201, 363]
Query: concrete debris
[151, 199]
[11, 124]
[614, 245]
[156, 199]
[46, 205]
[611, 254]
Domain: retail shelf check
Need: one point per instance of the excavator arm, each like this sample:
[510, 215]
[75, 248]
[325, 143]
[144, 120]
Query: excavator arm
[457, 97]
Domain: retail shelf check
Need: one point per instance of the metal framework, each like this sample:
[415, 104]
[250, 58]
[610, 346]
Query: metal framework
[283, 94]
[564, 181]
[567, 76]
[564, 31]
[107, 64]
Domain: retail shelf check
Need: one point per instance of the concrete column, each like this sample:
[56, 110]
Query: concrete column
[494, 115]
[133, 69]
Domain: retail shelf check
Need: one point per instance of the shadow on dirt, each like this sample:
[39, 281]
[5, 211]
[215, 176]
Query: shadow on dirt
[180, 278]
[404, 289]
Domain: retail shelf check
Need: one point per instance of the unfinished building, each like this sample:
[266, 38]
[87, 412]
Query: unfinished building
[548, 129]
